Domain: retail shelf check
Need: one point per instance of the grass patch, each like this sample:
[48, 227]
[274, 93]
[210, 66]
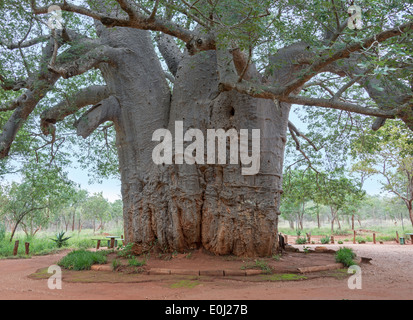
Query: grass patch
[83, 260]
[258, 264]
[185, 284]
[136, 263]
[325, 240]
[42, 243]
[285, 277]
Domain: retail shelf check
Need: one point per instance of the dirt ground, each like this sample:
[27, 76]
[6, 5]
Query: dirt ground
[389, 276]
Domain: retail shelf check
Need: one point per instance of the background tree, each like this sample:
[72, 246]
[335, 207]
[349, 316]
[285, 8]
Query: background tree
[299, 188]
[97, 208]
[389, 154]
[231, 64]
[337, 193]
[30, 202]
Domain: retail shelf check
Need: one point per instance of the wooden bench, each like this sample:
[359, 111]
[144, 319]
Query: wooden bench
[98, 243]
[112, 241]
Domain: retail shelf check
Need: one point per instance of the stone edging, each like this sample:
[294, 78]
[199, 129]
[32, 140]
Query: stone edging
[189, 272]
[220, 273]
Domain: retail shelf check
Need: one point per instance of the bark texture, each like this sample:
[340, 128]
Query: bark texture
[184, 206]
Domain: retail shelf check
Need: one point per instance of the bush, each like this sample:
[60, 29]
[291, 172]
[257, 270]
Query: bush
[301, 240]
[60, 239]
[136, 263]
[83, 260]
[325, 240]
[345, 256]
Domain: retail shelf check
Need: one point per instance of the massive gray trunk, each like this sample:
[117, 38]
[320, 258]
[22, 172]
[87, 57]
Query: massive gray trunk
[183, 207]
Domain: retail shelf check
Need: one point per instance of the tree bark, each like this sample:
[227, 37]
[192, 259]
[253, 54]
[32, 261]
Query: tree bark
[190, 206]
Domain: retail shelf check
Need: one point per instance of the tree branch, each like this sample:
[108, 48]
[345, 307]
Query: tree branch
[328, 57]
[196, 40]
[260, 91]
[170, 52]
[86, 62]
[85, 97]
[106, 110]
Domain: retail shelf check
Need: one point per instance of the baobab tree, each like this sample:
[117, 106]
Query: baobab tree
[230, 65]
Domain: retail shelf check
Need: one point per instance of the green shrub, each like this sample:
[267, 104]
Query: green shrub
[60, 239]
[126, 251]
[115, 264]
[83, 260]
[301, 240]
[258, 264]
[325, 240]
[136, 263]
[345, 256]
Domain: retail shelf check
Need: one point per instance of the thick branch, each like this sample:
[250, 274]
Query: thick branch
[170, 52]
[195, 40]
[85, 97]
[88, 61]
[106, 110]
[25, 104]
[260, 91]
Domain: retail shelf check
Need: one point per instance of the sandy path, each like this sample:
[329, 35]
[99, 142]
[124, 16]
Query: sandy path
[390, 276]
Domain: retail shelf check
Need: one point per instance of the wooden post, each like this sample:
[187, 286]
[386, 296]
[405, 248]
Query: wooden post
[16, 247]
[332, 240]
[98, 245]
[354, 237]
[374, 238]
[397, 237]
[27, 247]
[112, 243]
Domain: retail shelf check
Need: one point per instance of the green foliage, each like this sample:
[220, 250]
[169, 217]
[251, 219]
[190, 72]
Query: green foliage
[126, 251]
[189, 284]
[389, 153]
[2, 231]
[258, 264]
[83, 260]
[116, 264]
[284, 277]
[136, 263]
[325, 240]
[60, 239]
[301, 240]
[42, 191]
[345, 256]
[97, 207]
